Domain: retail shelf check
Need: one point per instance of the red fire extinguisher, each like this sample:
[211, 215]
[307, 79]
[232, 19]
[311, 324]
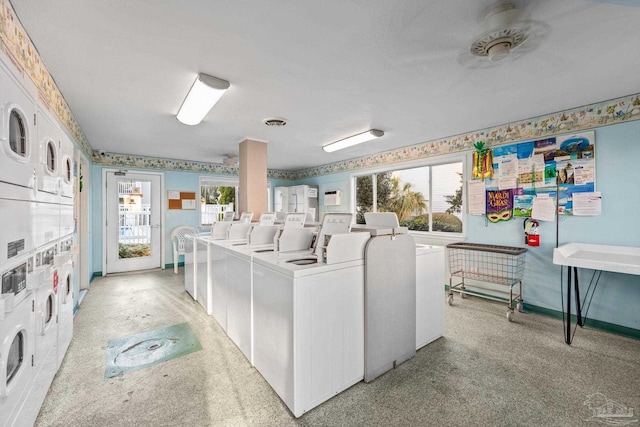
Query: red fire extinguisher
[531, 233]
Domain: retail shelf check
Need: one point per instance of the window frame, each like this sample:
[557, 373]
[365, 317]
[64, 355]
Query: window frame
[224, 182]
[431, 162]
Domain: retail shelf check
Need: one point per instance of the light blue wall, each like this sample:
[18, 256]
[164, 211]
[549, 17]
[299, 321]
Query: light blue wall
[617, 163]
[617, 296]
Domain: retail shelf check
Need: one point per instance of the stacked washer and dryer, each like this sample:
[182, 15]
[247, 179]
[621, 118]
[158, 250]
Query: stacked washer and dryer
[36, 241]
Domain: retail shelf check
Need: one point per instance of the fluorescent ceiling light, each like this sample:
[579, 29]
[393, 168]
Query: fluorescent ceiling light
[353, 140]
[202, 96]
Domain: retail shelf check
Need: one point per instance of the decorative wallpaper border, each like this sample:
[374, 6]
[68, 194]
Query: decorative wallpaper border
[144, 162]
[16, 44]
[591, 116]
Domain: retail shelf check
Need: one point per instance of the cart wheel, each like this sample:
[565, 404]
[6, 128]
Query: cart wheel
[510, 315]
[519, 306]
[450, 299]
[463, 294]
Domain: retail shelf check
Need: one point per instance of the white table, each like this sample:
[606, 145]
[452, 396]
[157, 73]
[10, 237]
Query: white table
[617, 259]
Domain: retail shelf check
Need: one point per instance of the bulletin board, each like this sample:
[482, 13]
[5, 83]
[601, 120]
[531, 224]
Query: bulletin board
[553, 168]
[181, 200]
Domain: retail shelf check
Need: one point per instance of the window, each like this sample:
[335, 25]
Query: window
[425, 198]
[216, 197]
[17, 134]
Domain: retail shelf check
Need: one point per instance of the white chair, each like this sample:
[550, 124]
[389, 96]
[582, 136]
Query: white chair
[177, 241]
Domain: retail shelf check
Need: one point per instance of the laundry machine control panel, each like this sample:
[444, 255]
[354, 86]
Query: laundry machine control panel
[14, 281]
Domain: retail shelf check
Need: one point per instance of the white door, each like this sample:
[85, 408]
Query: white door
[133, 221]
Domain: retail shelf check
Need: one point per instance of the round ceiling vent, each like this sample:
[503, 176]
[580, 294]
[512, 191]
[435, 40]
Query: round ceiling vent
[275, 122]
[504, 28]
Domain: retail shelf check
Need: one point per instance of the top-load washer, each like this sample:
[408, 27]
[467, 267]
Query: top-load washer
[308, 325]
[16, 341]
[19, 148]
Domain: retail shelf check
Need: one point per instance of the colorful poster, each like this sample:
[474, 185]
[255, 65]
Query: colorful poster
[566, 163]
[499, 205]
[522, 205]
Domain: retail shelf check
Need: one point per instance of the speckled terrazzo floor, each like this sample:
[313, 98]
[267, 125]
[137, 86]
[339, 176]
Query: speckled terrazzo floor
[485, 372]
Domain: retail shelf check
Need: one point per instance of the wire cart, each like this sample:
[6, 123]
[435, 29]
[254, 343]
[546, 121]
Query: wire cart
[500, 265]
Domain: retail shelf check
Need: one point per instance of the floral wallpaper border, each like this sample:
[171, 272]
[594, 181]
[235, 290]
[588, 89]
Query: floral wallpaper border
[144, 162]
[16, 44]
[592, 116]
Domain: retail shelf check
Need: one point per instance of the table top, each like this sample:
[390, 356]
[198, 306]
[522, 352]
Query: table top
[618, 259]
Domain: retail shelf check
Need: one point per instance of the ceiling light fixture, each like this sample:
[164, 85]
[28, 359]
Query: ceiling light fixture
[353, 140]
[202, 96]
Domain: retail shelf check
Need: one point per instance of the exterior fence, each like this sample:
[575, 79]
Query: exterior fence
[134, 227]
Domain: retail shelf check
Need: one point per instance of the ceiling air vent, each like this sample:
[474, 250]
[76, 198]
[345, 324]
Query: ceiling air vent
[275, 122]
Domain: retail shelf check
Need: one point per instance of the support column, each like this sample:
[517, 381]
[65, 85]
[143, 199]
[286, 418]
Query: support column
[253, 177]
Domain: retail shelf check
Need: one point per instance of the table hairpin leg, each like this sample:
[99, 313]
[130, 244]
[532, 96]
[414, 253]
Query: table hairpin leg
[572, 273]
[579, 318]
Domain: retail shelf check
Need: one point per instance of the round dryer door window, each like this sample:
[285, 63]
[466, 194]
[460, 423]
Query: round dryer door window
[51, 156]
[17, 134]
[15, 356]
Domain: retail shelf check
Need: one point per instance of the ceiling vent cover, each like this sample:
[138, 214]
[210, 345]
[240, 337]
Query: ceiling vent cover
[276, 122]
[230, 160]
[503, 28]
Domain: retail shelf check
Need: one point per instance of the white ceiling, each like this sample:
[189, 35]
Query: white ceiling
[332, 68]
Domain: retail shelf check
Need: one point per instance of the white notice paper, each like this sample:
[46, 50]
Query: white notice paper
[507, 182]
[544, 208]
[477, 193]
[188, 204]
[587, 203]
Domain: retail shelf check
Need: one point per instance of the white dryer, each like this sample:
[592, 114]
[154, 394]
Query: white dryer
[63, 262]
[19, 149]
[67, 169]
[66, 200]
[48, 166]
[16, 341]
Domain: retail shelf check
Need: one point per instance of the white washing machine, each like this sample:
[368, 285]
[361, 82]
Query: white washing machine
[19, 149]
[308, 328]
[46, 325]
[63, 262]
[16, 340]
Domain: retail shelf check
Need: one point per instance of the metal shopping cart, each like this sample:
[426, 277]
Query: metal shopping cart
[489, 264]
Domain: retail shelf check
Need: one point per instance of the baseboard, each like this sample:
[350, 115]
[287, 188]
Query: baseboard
[170, 266]
[95, 274]
[592, 323]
